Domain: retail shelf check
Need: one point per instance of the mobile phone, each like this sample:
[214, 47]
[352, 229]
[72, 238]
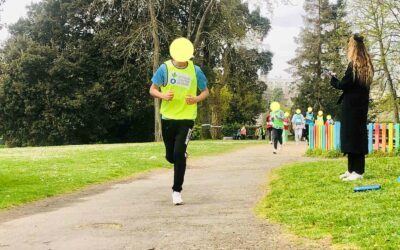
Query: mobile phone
[328, 72]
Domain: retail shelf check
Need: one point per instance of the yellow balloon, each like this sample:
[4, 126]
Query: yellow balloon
[181, 49]
[328, 117]
[275, 106]
[287, 114]
[320, 113]
[298, 111]
[309, 109]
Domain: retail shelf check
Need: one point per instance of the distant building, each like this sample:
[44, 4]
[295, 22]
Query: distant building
[288, 93]
[284, 83]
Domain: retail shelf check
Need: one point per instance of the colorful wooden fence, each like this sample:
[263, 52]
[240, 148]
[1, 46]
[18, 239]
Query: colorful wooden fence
[381, 137]
[326, 137]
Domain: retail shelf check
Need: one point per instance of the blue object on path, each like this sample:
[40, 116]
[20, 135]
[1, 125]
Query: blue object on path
[367, 188]
[398, 179]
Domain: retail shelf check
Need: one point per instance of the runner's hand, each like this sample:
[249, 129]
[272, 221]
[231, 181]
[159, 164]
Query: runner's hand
[168, 96]
[190, 100]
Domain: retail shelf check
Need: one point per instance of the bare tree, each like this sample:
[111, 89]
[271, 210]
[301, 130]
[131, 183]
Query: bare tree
[376, 21]
[156, 63]
[201, 24]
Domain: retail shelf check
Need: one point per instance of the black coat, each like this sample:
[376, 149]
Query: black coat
[354, 101]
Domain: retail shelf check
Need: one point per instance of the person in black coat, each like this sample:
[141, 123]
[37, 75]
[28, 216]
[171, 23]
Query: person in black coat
[354, 100]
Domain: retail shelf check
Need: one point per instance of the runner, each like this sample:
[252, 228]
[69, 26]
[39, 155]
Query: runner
[329, 120]
[309, 121]
[277, 117]
[286, 122]
[320, 119]
[176, 82]
[269, 128]
[298, 122]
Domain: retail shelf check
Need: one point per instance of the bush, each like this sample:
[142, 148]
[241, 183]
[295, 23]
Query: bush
[196, 132]
[380, 154]
[230, 129]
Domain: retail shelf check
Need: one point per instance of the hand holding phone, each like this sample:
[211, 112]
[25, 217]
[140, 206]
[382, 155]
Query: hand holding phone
[328, 73]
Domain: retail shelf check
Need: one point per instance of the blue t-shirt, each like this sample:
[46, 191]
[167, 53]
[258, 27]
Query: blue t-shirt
[161, 77]
[309, 118]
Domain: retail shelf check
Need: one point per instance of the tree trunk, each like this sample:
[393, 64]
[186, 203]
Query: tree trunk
[156, 62]
[319, 63]
[392, 89]
[201, 25]
[216, 131]
[216, 110]
[379, 25]
[189, 30]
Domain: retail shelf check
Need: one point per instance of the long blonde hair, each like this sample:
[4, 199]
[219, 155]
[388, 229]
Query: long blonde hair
[360, 59]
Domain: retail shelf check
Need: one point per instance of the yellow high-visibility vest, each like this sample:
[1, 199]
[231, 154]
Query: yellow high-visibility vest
[182, 82]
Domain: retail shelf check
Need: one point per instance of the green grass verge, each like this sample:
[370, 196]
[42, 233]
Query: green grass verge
[311, 201]
[319, 153]
[28, 174]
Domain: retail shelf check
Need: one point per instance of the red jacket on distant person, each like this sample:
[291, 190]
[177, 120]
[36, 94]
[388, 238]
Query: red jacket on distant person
[269, 122]
[286, 122]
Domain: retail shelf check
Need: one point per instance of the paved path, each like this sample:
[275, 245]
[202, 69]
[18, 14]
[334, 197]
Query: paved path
[219, 193]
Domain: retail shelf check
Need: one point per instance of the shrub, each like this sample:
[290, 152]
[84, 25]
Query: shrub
[196, 132]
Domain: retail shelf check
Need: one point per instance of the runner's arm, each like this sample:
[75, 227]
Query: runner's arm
[159, 78]
[203, 95]
[202, 85]
[190, 100]
[156, 93]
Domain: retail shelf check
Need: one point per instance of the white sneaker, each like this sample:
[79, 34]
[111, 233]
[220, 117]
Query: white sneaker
[345, 175]
[353, 177]
[177, 198]
[274, 152]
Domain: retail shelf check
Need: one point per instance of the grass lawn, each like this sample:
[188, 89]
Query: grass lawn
[311, 201]
[28, 174]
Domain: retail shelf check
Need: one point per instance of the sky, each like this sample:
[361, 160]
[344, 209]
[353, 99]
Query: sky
[12, 10]
[286, 23]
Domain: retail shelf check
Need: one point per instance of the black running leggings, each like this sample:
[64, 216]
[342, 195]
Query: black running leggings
[277, 136]
[356, 163]
[305, 131]
[269, 132]
[176, 135]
